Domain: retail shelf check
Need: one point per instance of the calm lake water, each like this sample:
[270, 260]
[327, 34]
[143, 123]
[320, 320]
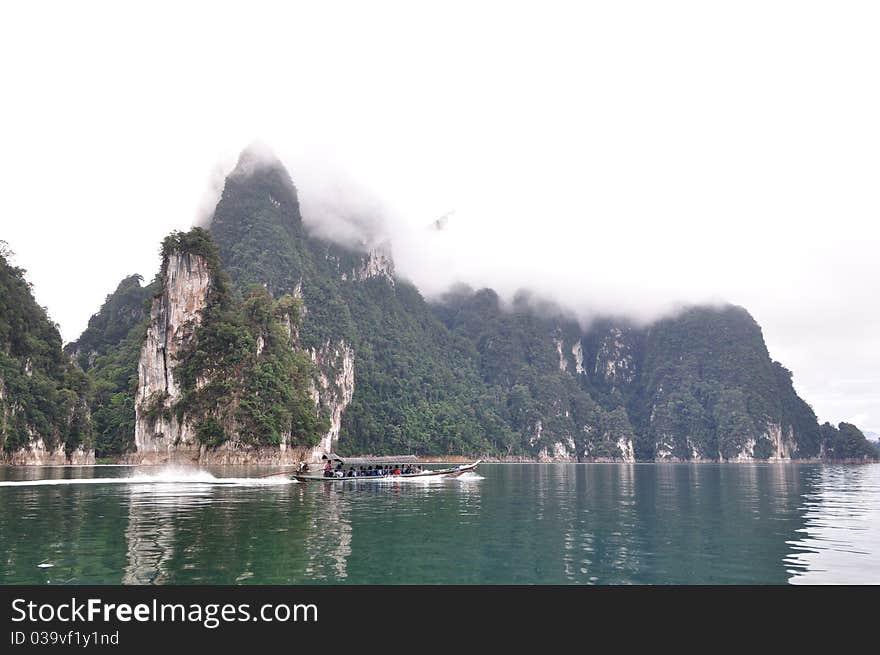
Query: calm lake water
[508, 524]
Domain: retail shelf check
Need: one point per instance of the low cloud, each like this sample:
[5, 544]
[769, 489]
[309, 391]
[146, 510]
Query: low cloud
[636, 257]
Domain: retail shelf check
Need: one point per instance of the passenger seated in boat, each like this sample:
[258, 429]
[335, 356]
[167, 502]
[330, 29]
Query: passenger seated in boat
[351, 472]
[328, 469]
[397, 470]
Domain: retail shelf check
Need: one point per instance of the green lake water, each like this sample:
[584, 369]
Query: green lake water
[507, 524]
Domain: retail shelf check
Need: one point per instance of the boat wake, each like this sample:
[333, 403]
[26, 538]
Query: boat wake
[467, 476]
[394, 479]
[169, 475]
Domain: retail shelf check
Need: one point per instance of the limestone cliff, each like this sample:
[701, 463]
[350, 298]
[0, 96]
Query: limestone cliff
[36, 453]
[160, 434]
[333, 389]
[615, 365]
[224, 380]
[376, 262]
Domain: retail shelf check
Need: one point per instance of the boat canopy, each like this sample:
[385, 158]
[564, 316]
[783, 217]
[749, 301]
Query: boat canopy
[367, 461]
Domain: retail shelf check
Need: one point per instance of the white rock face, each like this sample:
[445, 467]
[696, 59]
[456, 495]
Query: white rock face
[377, 263]
[38, 454]
[578, 351]
[173, 318]
[293, 327]
[784, 445]
[663, 450]
[563, 363]
[625, 445]
[614, 361]
[335, 388]
[747, 454]
[564, 450]
[784, 448]
[91, 356]
[539, 430]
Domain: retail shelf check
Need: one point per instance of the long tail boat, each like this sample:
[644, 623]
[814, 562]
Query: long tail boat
[450, 472]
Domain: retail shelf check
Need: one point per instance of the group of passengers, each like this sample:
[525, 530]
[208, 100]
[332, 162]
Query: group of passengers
[380, 470]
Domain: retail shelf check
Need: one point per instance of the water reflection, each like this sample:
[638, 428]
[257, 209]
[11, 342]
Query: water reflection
[596, 508]
[154, 510]
[328, 543]
[838, 543]
[511, 524]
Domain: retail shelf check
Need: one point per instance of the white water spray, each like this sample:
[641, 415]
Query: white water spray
[171, 475]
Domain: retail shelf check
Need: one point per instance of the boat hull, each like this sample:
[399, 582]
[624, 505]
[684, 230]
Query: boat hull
[452, 472]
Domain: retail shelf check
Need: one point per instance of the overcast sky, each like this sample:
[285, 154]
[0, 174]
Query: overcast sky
[622, 156]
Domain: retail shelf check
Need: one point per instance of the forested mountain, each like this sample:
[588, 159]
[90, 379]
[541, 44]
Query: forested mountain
[467, 375]
[699, 385]
[43, 406]
[414, 388]
[531, 358]
[846, 442]
[259, 342]
[122, 310]
[108, 352]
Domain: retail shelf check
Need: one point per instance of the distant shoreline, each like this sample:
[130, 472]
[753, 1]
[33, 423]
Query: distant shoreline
[465, 460]
[533, 460]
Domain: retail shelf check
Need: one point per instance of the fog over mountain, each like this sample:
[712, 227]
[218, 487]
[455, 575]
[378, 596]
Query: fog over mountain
[621, 162]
